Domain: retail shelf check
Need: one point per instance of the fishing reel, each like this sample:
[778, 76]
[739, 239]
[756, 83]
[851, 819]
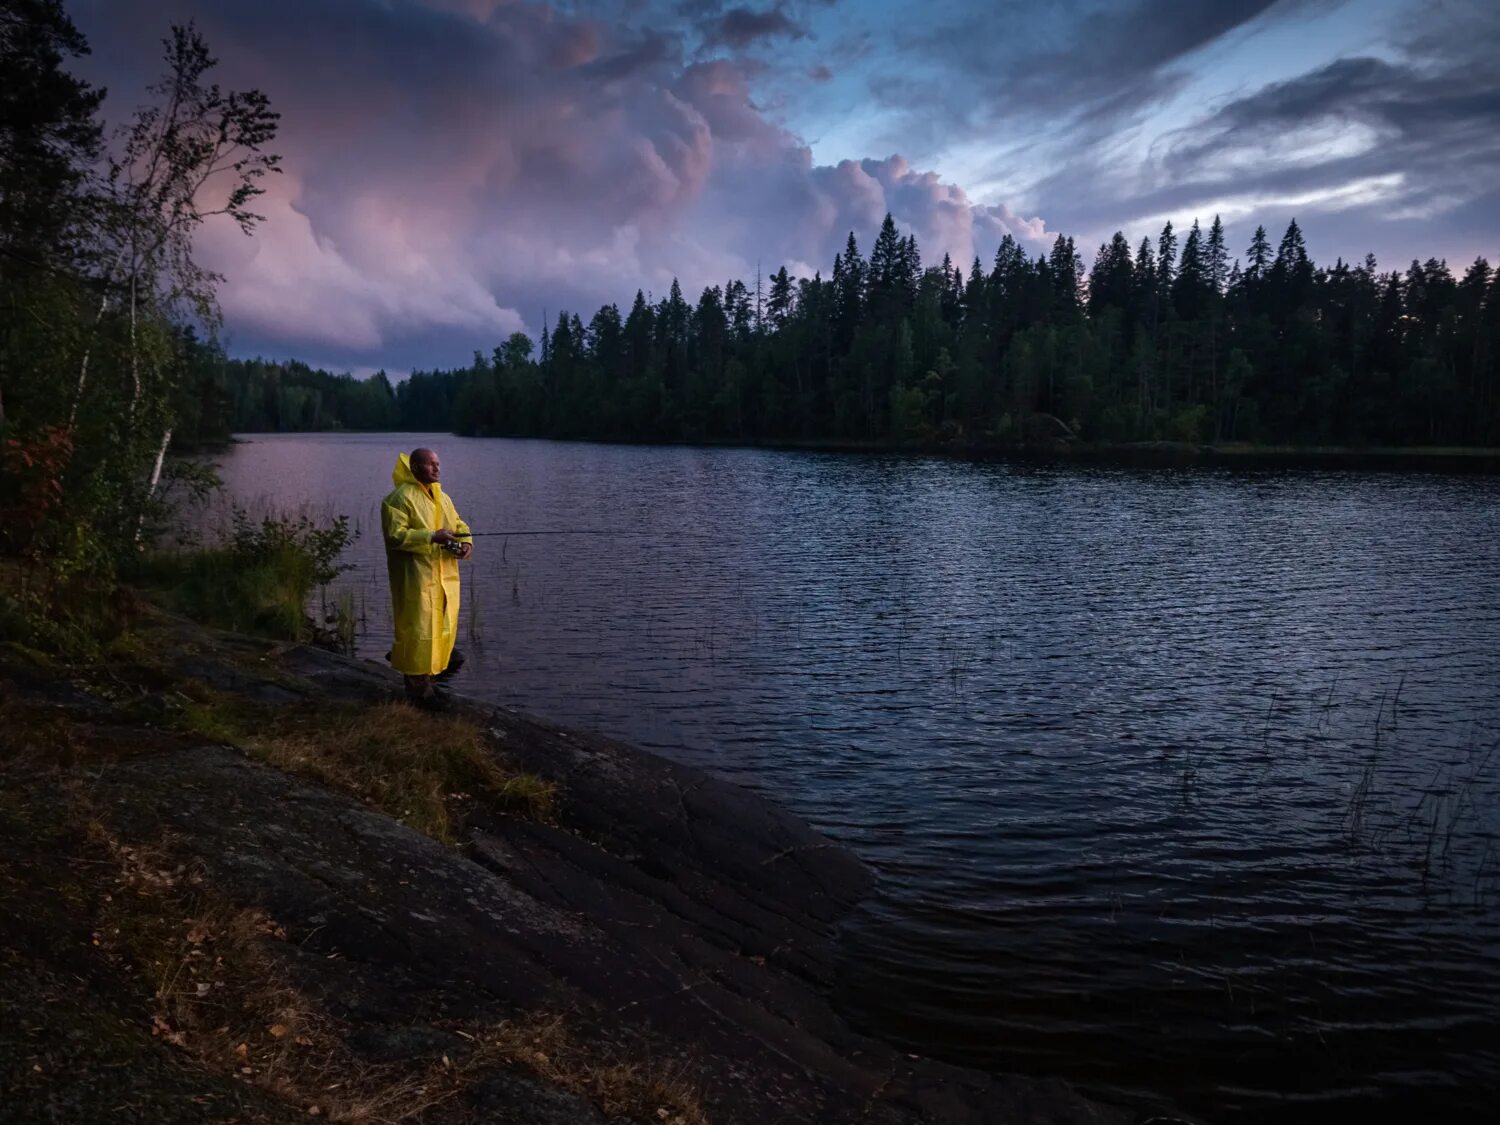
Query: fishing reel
[455, 547]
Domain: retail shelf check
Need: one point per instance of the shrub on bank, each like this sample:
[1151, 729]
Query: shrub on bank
[258, 579]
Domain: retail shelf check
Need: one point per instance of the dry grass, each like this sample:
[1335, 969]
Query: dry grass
[220, 996]
[424, 770]
[621, 1085]
[38, 734]
[421, 769]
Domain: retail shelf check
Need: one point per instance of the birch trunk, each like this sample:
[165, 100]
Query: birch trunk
[135, 365]
[161, 456]
[83, 368]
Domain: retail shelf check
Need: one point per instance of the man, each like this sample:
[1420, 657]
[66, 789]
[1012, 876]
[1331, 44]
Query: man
[418, 520]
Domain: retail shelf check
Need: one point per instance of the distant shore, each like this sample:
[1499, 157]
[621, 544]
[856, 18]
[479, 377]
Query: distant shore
[1479, 461]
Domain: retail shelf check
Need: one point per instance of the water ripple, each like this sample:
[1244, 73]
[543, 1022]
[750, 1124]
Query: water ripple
[1178, 784]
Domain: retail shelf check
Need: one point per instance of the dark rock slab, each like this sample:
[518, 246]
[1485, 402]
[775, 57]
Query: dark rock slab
[508, 1098]
[634, 933]
[668, 912]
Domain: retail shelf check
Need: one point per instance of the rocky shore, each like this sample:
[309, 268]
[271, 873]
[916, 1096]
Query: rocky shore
[192, 934]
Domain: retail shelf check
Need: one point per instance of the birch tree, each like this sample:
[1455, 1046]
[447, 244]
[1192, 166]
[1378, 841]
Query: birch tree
[193, 154]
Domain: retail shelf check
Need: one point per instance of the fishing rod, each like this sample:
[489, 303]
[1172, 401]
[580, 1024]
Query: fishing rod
[462, 537]
[566, 531]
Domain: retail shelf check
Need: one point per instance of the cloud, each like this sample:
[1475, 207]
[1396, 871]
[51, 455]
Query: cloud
[1383, 141]
[291, 283]
[1041, 62]
[741, 28]
[455, 170]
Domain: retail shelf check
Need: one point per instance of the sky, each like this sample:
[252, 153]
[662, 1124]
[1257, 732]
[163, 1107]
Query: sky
[457, 170]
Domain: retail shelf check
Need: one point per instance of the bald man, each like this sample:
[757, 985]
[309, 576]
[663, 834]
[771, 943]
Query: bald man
[424, 540]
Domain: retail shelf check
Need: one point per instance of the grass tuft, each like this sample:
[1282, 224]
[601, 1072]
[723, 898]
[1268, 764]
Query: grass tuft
[424, 770]
[623, 1086]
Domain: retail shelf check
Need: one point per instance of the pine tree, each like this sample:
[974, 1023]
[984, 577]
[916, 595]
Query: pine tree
[1188, 288]
[885, 258]
[1258, 256]
[1064, 267]
[1166, 259]
[911, 271]
[49, 134]
[1216, 258]
[1110, 280]
[1291, 255]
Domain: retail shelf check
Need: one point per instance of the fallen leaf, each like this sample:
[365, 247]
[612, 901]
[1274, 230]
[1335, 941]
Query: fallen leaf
[242, 1050]
[277, 1030]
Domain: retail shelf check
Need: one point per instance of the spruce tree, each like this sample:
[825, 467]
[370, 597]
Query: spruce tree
[1258, 256]
[1216, 258]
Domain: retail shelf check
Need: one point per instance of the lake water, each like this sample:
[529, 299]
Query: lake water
[1178, 784]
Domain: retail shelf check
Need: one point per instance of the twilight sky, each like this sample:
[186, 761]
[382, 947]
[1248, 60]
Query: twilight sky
[457, 169]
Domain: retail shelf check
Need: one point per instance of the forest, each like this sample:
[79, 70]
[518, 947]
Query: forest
[104, 307]
[1170, 340]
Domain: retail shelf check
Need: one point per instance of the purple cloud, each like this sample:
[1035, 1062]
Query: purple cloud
[456, 167]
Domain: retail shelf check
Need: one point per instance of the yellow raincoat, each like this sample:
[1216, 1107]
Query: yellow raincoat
[424, 577]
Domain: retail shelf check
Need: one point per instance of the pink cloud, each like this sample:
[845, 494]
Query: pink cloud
[455, 168]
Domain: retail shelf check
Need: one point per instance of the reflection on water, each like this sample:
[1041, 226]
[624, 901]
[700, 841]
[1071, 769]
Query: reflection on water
[1178, 783]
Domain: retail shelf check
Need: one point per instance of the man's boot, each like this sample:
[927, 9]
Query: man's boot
[455, 662]
[421, 693]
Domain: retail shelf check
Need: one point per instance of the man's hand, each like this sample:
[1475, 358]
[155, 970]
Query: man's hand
[443, 535]
[465, 550]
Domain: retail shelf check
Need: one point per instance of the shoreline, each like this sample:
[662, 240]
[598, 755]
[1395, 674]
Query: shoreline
[1459, 460]
[660, 916]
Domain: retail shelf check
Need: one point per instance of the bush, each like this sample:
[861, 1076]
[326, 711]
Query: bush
[31, 490]
[1189, 424]
[71, 617]
[260, 578]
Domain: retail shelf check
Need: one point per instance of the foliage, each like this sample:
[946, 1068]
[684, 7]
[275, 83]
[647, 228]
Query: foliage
[273, 537]
[258, 580]
[101, 300]
[1171, 342]
[31, 489]
[72, 617]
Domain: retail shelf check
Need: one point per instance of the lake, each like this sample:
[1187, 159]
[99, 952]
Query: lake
[1178, 784]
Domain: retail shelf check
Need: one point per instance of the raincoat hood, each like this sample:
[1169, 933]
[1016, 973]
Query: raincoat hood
[402, 474]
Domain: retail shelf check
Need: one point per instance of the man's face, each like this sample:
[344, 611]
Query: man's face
[427, 468]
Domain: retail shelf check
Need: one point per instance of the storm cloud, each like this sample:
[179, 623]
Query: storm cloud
[1369, 145]
[457, 169]
[741, 27]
